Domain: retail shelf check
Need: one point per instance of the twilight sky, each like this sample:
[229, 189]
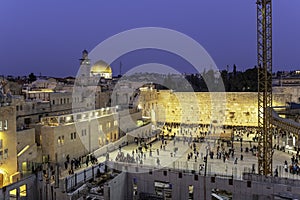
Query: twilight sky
[48, 37]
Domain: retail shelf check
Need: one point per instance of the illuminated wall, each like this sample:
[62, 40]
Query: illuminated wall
[79, 138]
[233, 108]
[8, 146]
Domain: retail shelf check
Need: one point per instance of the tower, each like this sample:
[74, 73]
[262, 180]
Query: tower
[264, 61]
[84, 60]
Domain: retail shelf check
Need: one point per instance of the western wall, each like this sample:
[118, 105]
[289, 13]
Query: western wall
[230, 108]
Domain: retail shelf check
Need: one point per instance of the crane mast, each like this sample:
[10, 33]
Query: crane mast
[264, 61]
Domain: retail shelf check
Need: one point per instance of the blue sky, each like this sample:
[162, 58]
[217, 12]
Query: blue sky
[47, 37]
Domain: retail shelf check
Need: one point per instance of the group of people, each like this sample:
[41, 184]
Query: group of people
[122, 158]
[75, 163]
[293, 167]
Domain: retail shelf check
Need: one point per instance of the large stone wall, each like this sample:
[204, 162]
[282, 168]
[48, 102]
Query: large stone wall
[231, 108]
[293, 91]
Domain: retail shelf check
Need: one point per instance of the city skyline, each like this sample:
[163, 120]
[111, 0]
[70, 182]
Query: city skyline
[47, 38]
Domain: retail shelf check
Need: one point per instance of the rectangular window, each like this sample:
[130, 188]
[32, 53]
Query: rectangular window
[115, 123]
[58, 140]
[5, 125]
[1, 144]
[13, 193]
[100, 127]
[191, 192]
[1, 128]
[23, 191]
[73, 136]
[83, 132]
[108, 125]
[1, 154]
[5, 153]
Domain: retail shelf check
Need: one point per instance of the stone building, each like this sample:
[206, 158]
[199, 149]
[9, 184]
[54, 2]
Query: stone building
[28, 151]
[8, 148]
[294, 91]
[76, 134]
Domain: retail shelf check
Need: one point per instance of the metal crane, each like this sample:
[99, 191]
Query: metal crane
[264, 61]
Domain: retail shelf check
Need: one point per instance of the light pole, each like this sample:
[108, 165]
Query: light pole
[204, 178]
[119, 123]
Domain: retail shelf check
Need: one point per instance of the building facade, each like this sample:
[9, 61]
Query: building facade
[77, 134]
[8, 149]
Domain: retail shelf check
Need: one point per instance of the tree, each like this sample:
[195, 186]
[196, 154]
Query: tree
[234, 70]
[31, 77]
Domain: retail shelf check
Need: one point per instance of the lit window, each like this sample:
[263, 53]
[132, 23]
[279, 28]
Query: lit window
[23, 191]
[59, 140]
[5, 125]
[191, 192]
[13, 193]
[62, 139]
[100, 127]
[1, 126]
[115, 123]
[108, 125]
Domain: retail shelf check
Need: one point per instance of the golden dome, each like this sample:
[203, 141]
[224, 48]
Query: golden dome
[100, 67]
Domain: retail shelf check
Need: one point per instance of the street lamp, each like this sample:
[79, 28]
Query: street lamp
[119, 121]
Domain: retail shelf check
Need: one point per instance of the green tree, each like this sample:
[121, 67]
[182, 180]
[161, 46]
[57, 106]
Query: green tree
[31, 77]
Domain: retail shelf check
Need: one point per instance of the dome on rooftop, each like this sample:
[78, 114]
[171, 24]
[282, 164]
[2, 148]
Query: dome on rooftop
[101, 68]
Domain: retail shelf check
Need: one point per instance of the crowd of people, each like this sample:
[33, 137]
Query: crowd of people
[199, 152]
[122, 158]
[76, 163]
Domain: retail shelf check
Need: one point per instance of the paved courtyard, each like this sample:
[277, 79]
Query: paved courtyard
[163, 156]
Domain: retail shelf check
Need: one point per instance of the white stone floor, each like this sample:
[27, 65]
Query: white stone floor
[214, 166]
